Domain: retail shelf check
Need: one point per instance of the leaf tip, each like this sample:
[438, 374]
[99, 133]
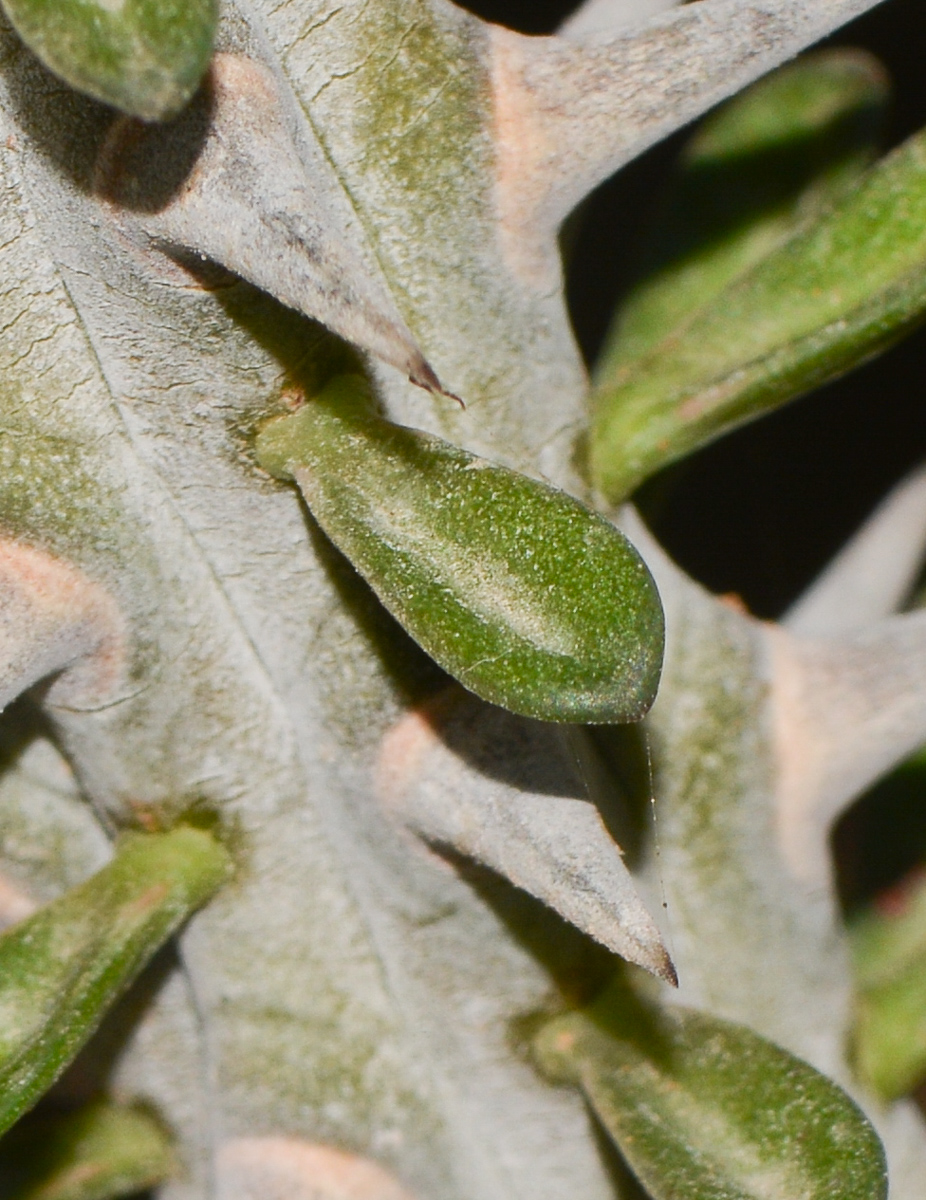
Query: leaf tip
[423, 375]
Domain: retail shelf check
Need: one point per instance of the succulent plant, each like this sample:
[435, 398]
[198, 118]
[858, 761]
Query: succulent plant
[329, 636]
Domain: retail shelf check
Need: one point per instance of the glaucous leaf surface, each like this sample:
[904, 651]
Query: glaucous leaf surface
[523, 594]
[61, 969]
[146, 57]
[704, 1109]
[100, 1152]
[837, 292]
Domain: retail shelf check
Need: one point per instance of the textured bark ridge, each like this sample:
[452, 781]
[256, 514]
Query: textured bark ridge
[395, 171]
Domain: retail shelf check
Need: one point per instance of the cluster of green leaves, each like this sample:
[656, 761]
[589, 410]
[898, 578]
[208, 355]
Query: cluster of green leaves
[783, 262]
[783, 259]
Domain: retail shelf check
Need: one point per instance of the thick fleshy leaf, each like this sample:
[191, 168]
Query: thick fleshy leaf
[99, 1152]
[61, 969]
[703, 1109]
[530, 599]
[758, 167]
[146, 57]
[833, 295]
[889, 950]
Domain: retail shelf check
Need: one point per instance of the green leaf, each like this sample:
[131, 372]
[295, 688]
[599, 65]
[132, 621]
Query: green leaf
[530, 599]
[100, 1152]
[763, 164]
[840, 290]
[703, 1109]
[61, 969]
[889, 952]
[146, 57]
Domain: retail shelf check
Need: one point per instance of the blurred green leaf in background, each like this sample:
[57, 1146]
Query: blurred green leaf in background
[145, 57]
[772, 301]
[99, 1152]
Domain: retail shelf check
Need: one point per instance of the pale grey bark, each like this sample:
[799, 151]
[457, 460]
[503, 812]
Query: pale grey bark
[600, 17]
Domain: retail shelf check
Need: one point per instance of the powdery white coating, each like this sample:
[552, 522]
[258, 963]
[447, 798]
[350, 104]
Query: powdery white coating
[277, 1168]
[262, 693]
[340, 990]
[846, 710]
[54, 621]
[600, 17]
[744, 858]
[278, 227]
[554, 846]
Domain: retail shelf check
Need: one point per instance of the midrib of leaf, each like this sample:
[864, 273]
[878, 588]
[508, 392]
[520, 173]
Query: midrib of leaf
[399, 295]
[427, 202]
[707, 1134]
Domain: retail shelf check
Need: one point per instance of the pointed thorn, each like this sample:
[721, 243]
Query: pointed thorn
[422, 375]
[668, 971]
[513, 803]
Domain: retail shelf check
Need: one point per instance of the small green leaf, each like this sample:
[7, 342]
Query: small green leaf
[146, 57]
[837, 292]
[760, 166]
[703, 1109]
[100, 1152]
[61, 969]
[889, 952]
[530, 599]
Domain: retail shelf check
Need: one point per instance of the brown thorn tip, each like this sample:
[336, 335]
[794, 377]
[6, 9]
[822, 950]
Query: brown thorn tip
[454, 396]
[422, 375]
